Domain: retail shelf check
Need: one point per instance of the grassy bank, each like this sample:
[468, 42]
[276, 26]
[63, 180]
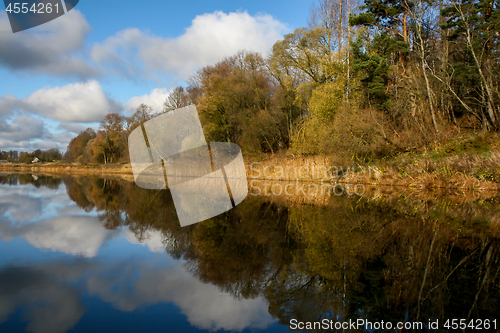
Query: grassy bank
[61, 167]
[469, 163]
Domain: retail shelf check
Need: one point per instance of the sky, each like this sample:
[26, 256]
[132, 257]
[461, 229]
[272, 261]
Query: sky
[109, 56]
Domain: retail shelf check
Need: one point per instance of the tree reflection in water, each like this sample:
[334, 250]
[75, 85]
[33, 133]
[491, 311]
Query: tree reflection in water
[376, 257]
[35, 180]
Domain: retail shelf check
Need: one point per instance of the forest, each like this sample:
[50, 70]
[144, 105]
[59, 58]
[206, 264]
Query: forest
[363, 81]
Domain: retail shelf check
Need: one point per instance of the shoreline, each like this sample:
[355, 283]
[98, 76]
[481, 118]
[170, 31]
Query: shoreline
[307, 169]
[309, 192]
[68, 168]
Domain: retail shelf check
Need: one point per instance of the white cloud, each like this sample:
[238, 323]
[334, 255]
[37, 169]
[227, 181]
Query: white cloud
[204, 305]
[78, 235]
[8, 103]
[50, 294]
[52, 48]
[78, 102]
[210, 38]
[28, 132]
[14, 204]
[155, 99]
[22, 128]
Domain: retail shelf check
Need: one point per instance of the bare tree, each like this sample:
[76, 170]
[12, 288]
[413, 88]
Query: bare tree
[178, 98]
[332, 16]
[417, 11]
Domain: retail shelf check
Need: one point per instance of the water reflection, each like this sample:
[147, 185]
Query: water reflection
[51, 294]
[51, 305]
[392, 256]
[90, 250]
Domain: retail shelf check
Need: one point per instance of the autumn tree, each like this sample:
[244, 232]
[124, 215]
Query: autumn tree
[77, 145]
[142, 114]
[235, 99]
[359, 82]
[110, 142]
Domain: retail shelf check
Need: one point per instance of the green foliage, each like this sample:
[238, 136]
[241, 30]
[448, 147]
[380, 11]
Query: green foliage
[389, 15]
[477, 144]
[50, 155]
[311, 136]
[326, 99]
[482, 15]
[371, 60]
[302, 51]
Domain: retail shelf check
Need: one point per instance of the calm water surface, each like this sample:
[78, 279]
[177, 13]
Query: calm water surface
[88, 254]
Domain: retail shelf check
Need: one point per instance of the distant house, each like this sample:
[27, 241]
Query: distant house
[35, 160]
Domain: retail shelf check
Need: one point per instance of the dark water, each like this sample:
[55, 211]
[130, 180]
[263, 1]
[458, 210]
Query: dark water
[90, 254]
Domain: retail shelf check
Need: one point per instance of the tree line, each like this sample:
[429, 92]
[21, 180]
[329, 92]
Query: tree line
[361, 81]
[49, 155]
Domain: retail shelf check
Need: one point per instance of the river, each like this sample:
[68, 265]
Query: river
[97, 254]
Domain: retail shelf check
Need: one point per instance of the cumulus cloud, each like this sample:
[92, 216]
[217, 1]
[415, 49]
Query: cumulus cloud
[28, 122]
[28, 132]
[57, 140]
[78, 102]
[78, 235]
[210, 38]
[23, 128]
[155, 100]
[53, 48]
[10, 102]
[204, 305]
[13, 205]
[49, 295]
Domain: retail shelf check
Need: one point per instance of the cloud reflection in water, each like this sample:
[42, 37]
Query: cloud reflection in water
[50, 292]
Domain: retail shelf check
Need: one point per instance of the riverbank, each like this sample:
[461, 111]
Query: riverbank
[69, 168]
[466, 164]
[423, 173]
[453, 203]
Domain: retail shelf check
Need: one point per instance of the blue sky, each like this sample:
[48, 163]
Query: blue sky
[110, 56]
